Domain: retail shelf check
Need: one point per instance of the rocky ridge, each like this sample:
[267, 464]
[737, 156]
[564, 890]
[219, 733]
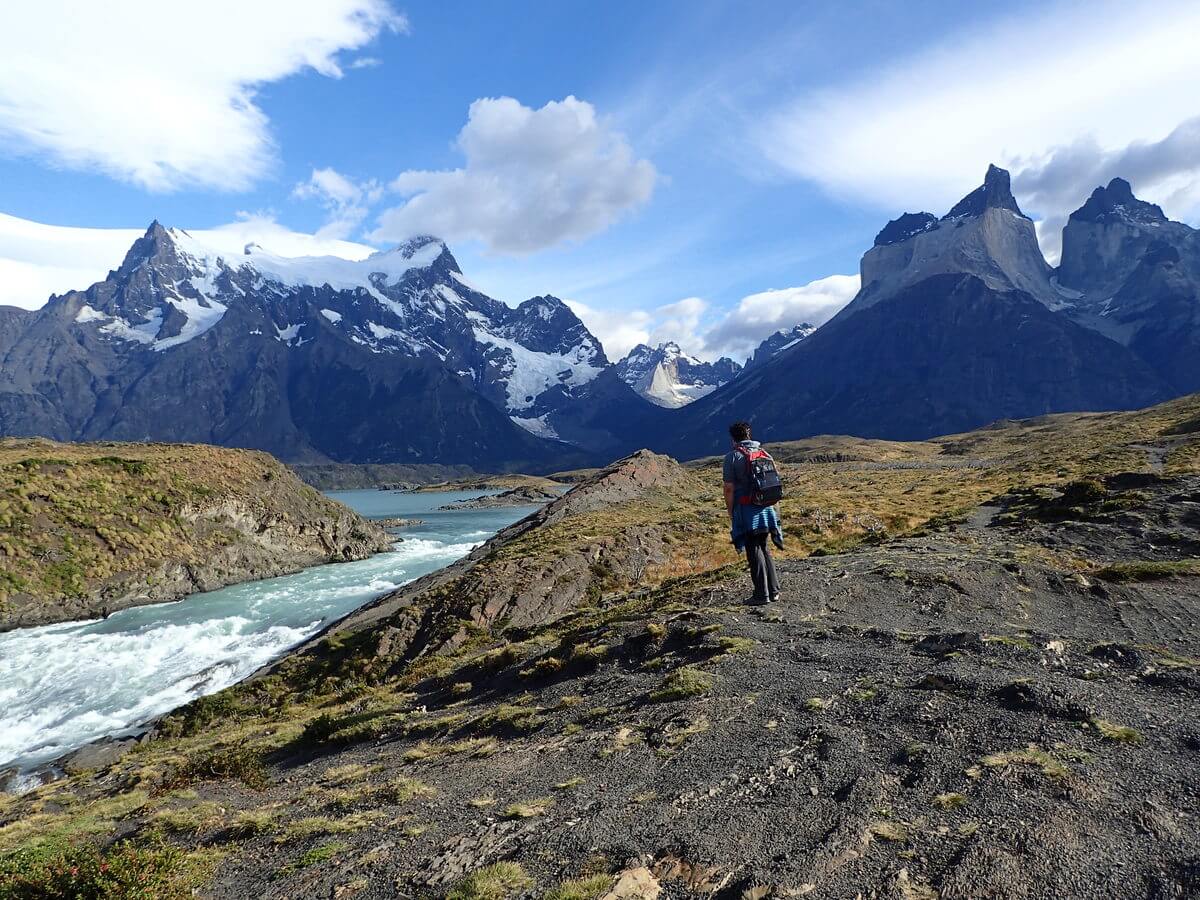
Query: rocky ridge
[91, 529]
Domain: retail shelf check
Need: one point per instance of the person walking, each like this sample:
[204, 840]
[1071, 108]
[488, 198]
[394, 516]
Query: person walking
[752, 488]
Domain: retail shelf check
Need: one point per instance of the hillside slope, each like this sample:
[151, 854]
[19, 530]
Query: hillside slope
[87, 529]
[982, 681]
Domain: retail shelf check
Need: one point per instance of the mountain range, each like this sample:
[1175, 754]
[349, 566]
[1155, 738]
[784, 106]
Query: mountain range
[960, 321]
[399, 358]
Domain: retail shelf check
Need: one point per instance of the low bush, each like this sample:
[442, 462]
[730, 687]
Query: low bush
[87, 872]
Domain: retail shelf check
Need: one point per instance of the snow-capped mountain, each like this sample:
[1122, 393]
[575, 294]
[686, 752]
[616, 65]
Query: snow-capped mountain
[183, 343]
[668, 377]
[784, 339]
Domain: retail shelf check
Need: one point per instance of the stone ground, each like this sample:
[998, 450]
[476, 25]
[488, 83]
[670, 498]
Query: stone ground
[954, 715]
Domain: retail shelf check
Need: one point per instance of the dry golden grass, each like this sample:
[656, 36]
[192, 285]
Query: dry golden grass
[73, 516]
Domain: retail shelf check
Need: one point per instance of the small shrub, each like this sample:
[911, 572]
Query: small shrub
[731, 645]
[244, 764]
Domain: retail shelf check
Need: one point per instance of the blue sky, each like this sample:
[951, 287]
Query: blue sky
[692, 156]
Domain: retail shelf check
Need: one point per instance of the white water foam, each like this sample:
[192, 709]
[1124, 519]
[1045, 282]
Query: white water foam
[65, 685]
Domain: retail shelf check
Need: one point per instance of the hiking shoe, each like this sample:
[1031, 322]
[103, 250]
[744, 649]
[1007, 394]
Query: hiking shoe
[775, 597]
[757, 601]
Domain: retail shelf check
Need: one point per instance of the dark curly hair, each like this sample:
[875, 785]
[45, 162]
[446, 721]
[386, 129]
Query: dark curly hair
[740, 431]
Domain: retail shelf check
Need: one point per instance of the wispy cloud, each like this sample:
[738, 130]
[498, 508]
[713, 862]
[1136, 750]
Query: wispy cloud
[1083, 85]
[347, 201]
[533, 178]
[1162, 171]
[162, 95]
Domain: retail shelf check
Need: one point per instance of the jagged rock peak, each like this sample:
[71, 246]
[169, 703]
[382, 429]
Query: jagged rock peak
[546, 305]
[994, 193]
[158, 243]
[781, 340]
[908, 225]
[1116, 203]
[415, 244]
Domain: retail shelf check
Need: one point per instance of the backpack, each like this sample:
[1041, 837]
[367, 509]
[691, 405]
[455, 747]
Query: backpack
[766, 487]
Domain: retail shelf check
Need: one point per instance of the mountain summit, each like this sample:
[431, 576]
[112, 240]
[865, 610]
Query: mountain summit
[668, 377]
[1134, 275]
[985, 234]
[959, 322]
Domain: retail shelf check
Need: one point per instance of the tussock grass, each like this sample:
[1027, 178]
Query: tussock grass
[529, 808]
[684, 682]
[1121, 734]
[498, 881]
[589, 887]
[1033, 756]
[950, 801]
[1148, 570]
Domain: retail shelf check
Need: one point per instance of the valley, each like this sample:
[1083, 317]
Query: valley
[982, 673]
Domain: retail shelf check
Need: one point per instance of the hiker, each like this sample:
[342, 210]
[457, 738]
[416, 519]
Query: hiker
[752, 488]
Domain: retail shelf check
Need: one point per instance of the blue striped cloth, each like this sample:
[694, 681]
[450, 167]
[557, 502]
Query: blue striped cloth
[749, 519]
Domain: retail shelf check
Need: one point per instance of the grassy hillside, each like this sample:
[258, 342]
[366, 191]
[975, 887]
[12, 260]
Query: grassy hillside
[950, 701]
[86, 528]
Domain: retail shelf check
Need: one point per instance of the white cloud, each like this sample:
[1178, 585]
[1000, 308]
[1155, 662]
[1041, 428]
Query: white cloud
[347, 201]
[532, 179]
[919, 132]
[38, 260]
[1164, 172]
[618, 330]
[163, 94]
[760, 315]
[692, 324]
[679, 322]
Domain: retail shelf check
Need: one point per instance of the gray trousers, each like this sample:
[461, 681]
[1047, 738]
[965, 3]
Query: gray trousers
[762, 566]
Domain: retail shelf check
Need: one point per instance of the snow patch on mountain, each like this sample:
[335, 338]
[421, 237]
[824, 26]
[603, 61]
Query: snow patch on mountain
[529, 373]
[201, 316]
[538, 426]
[142, 333]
